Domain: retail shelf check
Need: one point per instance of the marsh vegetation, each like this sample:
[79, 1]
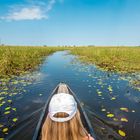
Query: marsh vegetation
[19, 60]
[120, 59]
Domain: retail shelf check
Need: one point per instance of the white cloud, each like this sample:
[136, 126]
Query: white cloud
[30, 13]
[35, 10]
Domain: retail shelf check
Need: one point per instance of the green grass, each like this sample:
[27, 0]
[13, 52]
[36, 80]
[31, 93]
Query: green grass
[120, 59]
[19, 60]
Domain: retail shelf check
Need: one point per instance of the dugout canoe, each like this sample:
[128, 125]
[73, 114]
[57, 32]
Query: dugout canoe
[62, 87]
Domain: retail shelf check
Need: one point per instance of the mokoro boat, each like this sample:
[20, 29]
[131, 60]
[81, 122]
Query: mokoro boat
[66, 89]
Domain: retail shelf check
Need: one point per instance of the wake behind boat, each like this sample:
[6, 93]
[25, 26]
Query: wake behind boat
[63, 88]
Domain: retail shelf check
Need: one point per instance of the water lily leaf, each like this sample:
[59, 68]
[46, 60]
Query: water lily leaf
[9, 101]
[124, 120]
[7, 108]
[15, 119]
[99, 92]
[110, 115]
[14, 109]
[4, 130]
[113, 98]
[1, 138]
[3, 93]
[124, 109]
[110, 88]
[100, 83]
[1, 125]
[122, 133]
[103, 109]
[115, 119]
[3, 102]
[1, 98]
[14, 93]
[7, 112]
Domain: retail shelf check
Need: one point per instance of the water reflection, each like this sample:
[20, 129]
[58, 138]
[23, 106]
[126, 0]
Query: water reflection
[110, 99]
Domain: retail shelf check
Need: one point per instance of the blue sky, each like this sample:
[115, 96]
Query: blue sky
[70, 22]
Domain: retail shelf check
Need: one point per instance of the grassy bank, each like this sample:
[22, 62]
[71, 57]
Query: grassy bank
[121, 59]
[18, 60]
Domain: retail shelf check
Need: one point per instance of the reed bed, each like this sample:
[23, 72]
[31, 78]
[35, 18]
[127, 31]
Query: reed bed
[120, 59]
[19, 60]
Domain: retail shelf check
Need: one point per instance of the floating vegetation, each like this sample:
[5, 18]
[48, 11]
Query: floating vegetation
[12, 88]
[110, 88]
[121, 133]
[110, 115]
[1, 125]
[7, 112]
[124, 120]
[4, 130]
[99, 92]
[113, 98]
[107, 86]
[7, 108]
[14, 119]
[124, 109]
[103, 109]
[115, 119]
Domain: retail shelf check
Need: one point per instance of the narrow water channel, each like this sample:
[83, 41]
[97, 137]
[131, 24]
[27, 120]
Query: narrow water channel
[111, 100]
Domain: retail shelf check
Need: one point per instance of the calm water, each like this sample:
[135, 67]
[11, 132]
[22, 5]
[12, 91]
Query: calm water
[111, 100]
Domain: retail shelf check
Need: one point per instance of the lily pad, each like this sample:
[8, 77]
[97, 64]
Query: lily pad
[7, 112]
[14, 109]
[4, 130]
[113, 98]
[14, 119]
[110, 88]
[115, 119]
[122, 133]
[1, 98]
[124, 120]
[7, 108]
[103, 109]
[1, 125]
[110, 115]
[124, 109]
[9, 101]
